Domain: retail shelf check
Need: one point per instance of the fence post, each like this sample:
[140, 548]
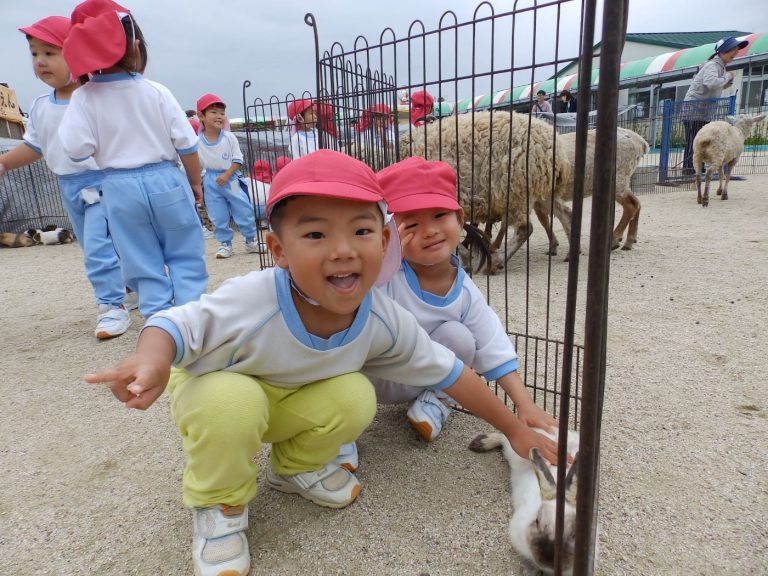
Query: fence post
[732, 105]
[666, 139]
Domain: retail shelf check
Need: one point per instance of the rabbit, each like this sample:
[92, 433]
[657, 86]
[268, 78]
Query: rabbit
[532, 526]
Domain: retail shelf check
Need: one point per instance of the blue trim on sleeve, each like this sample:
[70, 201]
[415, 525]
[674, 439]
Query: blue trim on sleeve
[35, 148]
[429, 297]
[185, 151]
[450, 380]
[296, 326]
[173, 331]
[502, 370]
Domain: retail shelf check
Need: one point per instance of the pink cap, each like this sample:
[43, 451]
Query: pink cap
[97, 38]
[51, 30]
[416, 184]
[371, 112]
[262, 171]
[298, 106]
[208, 100]
[280, 163]
[195, 124]
[421, 105]
[332, 174]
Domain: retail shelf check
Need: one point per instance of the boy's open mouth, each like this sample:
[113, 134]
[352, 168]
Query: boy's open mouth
[343, 281]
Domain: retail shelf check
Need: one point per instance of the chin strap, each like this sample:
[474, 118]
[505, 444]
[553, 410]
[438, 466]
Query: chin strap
[301, 294]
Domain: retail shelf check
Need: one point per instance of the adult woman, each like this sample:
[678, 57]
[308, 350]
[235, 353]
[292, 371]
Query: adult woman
[708, 84]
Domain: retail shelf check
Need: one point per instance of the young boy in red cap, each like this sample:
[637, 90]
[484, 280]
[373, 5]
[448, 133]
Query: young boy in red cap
[277, 356]
[136, 132]
[79, 182]
[221, 158]
[432, 285]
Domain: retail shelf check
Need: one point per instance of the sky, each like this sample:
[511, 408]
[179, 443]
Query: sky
[197, 47]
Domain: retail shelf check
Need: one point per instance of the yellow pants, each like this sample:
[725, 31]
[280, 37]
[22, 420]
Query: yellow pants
[224, 418]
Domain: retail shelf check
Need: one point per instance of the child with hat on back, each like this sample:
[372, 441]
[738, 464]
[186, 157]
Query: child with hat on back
[277, 356]
[307, 119]
[79, 182]
[221, 158]
[135, 130]
[432, 285]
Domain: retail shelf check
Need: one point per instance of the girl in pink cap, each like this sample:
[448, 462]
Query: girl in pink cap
[79, 182]
[307, 119]
[136, 131]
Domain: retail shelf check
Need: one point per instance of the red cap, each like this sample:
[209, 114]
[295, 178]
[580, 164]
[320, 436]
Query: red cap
[335, 175]
[280, 163]
[207, 100]
[262, 171]
[52, 30]
[421, 105]
[195, 124]
[97, 38]
[371, 112]
[298, 106]
[416, 184]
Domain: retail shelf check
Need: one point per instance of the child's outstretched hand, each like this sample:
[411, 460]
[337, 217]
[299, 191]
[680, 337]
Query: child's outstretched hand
[534, 417]
[137, 380]
[525, 439]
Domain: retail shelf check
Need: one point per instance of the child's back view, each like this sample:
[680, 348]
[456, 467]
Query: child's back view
[136, 130]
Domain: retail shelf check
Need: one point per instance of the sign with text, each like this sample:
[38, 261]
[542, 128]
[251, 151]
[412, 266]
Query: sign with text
[9, 108]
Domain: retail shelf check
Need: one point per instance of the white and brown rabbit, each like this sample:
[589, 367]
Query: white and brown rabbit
[532, 526]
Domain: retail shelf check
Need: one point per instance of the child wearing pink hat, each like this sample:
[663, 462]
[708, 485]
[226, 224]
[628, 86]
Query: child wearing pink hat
[448, 305]
[221, 158]
[277, 356]
[79, 182]
[136, 131]
[306, 120]
[280, 163]
[421, 105]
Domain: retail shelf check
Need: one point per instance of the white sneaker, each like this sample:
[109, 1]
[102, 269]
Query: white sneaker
[219, 545]
[224, 251]
[254, 247]
[347, 457]
[332, 486]
[208, 234]
[131, 301]
[111, 322]
[427, 415]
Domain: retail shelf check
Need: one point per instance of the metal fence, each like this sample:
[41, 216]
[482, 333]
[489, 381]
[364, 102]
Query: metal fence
[29, 196]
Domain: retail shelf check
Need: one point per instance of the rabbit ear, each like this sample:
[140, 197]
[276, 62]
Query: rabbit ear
[572, 481]
[546, 481]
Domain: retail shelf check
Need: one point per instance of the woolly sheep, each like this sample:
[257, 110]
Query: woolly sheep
[482, 148]
[720, 144]
[630, 149]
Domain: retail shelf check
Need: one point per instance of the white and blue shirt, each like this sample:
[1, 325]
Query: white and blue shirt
[221, 154]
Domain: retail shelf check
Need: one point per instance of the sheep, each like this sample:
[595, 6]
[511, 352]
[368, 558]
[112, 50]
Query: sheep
[630, 149]
[720, 144]
[482, 148]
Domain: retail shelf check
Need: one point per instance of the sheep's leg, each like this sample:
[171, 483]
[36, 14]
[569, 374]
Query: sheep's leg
[542, 213]
[731, 166]
[522, 233]
[720, 180]
[707, 181]
[496, 244]
[631, 206]
[563, 213]
[697, 164]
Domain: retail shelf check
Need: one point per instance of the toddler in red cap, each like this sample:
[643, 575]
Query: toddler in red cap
[79, 182]
[224, 189]
[277, 356]
[136, 131]
[307, 120]
[448, 305]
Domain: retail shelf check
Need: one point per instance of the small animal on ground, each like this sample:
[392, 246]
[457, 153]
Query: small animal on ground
[16, 240]
[51, 235]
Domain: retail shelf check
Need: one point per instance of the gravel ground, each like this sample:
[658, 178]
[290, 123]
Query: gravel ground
[88, 487]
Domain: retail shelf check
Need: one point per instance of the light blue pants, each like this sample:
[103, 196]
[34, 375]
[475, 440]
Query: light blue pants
[102, 266]
[223, 201]
[156, 232]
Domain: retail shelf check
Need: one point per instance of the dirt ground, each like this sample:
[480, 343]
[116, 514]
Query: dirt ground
[88, 487]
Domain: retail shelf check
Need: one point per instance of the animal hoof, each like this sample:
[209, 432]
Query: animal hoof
[698, 200]
[719, 192]
[724, 197]
[627, 247]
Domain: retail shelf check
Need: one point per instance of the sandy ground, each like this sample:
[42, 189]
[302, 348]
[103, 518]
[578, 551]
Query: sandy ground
[88, 487]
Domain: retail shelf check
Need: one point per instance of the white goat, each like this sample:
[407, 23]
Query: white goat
[720, 144]
[504, 168]
[534, 488]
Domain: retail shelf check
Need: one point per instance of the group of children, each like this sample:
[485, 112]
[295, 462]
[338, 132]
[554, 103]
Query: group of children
[366, 303]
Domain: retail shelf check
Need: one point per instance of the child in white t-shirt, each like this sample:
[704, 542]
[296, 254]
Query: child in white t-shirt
[79, 182]
[136, 131]
[221, 158]
[307, 119]
[277, 356]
